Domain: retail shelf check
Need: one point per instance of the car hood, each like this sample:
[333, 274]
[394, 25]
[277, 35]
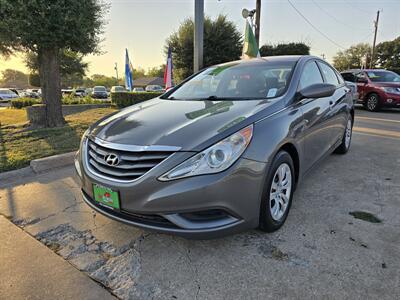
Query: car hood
[184, 124]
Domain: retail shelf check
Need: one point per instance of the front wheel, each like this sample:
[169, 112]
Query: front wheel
[277, 194]
[346, 140]
[372, 102]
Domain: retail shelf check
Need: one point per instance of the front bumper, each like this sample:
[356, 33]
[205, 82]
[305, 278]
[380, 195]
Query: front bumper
[200, 207]
[391, 100]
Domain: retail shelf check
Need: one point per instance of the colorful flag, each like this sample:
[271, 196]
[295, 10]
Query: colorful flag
[128, 72]
[168, 71]
[250, 47]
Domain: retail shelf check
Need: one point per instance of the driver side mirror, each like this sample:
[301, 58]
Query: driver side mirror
[319, 90]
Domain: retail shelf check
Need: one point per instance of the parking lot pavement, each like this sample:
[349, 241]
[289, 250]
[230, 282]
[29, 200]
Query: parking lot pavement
[30, 271]
[341, 239]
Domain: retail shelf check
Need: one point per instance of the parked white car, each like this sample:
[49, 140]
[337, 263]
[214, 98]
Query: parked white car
[7, 95]
[154, 88]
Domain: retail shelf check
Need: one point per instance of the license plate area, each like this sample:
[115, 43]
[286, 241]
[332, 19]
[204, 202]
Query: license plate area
[106, 197]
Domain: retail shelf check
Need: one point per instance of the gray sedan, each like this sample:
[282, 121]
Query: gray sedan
[221, 152]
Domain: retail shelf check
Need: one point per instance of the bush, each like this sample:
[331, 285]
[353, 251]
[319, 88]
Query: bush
[68, 100]
[125, 99]
[24, 102]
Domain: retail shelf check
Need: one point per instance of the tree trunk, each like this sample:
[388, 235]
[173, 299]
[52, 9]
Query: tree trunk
[49, 68]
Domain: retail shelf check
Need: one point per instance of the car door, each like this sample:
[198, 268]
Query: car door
[338, 112]
[362, 84]
[317, 135]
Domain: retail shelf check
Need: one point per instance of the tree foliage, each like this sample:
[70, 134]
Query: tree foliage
[13, 78]
[222, 43]
[388, 55]
[156, 71]
[285, 49]
[353, 58]
[45, 27]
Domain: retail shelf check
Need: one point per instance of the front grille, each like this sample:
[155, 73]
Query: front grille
[131, 164]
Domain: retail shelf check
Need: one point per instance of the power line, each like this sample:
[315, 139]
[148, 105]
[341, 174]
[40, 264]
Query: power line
[313, 26]
[357, 8]
[336, 19]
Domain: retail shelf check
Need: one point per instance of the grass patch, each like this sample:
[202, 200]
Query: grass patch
[19, 147]
[12, 116]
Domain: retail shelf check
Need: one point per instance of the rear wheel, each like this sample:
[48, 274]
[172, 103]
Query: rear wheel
[372, 102]
[277, 194]
[346, 140]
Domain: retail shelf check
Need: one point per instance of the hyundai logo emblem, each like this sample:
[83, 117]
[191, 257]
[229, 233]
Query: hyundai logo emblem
[111, 159]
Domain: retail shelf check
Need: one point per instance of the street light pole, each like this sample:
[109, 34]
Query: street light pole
[198, 35]
[116, 71]
[258, 17]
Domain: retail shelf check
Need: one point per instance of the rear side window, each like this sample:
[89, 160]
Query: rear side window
[329, 74]
[311, 75]
[349, 77]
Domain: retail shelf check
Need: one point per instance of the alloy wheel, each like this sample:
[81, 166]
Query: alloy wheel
[280, 192]
[372, 102]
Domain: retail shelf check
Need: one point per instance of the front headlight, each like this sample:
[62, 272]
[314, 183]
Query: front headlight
[214, 159]
[391, 90]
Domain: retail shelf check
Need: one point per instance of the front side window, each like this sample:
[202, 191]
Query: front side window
[311, 75]
[329, 74]
[237, 81]
[383, 76]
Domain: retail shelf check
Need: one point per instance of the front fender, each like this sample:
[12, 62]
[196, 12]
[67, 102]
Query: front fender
[273, 132]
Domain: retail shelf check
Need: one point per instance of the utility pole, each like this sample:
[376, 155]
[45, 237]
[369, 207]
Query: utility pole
[258, 17]
[116, 71]
[198, 35]
[323, 56]
[373, 45]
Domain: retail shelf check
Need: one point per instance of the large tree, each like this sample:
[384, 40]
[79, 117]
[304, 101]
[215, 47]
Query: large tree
[285, 49]
[388, 55]
[353, 58]
[72, 67]
[13, 78]
[45, 27]
[222, 43]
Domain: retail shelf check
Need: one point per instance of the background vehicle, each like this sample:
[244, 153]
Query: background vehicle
[7, 95]
[100, 92]
[154, 88]
[236, 140]
[117, 89]
[80, 92]
[354, 90]
[377, 88]
[138, 89]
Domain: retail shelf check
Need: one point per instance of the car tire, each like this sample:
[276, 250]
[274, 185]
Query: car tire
[344, 147]
[277, 195]
[372, 102]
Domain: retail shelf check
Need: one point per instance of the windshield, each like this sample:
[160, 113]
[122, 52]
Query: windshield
[383, 76]
[99, 89]
[236, 81]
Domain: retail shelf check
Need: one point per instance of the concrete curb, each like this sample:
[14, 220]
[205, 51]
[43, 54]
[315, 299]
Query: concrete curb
[40, 165]
[16, 174]
[52, 162]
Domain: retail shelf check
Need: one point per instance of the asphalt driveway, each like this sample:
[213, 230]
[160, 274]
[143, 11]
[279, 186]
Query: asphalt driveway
[341, 239]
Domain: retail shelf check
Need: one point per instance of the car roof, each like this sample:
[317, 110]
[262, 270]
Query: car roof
[266, 59]
[361, 70]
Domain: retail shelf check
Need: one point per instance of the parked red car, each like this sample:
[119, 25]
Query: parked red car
[376, 88]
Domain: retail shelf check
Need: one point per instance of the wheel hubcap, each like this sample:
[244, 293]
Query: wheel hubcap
[347, 138]
[372, 102]
[281, 187]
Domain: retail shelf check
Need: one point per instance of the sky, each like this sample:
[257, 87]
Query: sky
[142, 26]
